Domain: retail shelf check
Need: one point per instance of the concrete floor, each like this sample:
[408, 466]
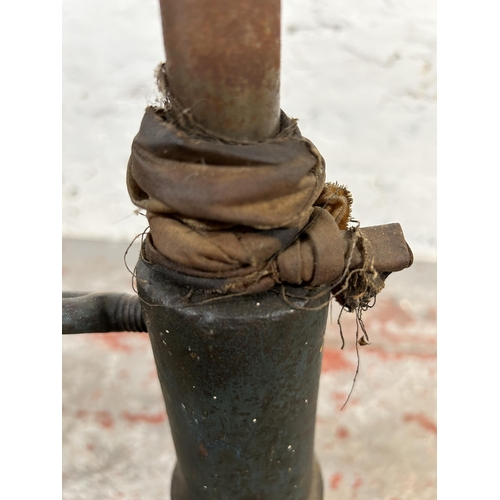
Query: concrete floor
[381, 446]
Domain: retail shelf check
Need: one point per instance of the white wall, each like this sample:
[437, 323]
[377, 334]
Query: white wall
[359, 74]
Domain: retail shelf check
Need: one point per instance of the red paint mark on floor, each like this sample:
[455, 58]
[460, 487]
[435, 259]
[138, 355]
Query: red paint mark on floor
[105, 419]
[114, 341]
[119, 341]
[342, 433]
[148, 418]
[335, 360]
[335, 480]
[396, 356]
[339, 396]
[357, 484]
[406, 338]
[421, 419]
[81, 413]
[432, 314]
[90, 447]
[340, 399]
[390, 311]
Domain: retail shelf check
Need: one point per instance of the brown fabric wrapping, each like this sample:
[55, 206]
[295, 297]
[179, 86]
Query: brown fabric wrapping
[265, 186]
[250, 215]
[312, 260]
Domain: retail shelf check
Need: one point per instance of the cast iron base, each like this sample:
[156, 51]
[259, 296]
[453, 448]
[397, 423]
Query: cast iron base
[180, 492]
[240, 381]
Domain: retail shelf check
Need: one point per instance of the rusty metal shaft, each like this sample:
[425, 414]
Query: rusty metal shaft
[223, 63]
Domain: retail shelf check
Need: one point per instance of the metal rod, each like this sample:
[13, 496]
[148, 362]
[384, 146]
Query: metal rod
[84, 312]
[223, 63]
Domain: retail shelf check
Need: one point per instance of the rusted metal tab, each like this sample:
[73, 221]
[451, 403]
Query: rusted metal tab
[389, 248]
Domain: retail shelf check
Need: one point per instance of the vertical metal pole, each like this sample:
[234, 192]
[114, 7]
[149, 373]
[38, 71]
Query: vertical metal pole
[223, 63]
[239, 376]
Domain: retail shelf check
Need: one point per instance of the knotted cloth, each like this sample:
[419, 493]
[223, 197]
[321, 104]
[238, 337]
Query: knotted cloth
[240, 217]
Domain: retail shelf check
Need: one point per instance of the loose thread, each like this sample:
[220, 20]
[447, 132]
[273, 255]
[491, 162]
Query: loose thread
[133, 273]
[304, 308]
[357, 366]
[340, 329]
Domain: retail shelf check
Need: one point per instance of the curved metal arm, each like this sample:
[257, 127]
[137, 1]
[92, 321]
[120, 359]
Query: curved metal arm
[85, 312]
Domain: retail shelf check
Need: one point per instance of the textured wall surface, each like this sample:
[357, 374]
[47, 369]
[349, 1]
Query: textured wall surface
[359, 74]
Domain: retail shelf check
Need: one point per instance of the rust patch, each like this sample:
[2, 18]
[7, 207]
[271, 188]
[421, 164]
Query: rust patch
[155, 418]
[203, 451]
[335, 480]
[335, 360]
[422, 420]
